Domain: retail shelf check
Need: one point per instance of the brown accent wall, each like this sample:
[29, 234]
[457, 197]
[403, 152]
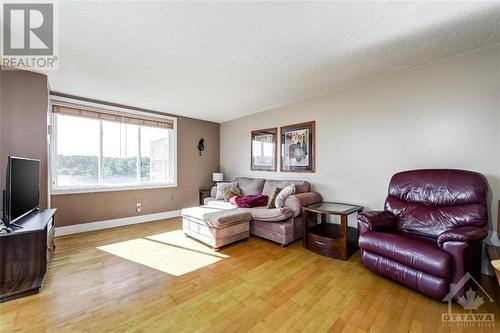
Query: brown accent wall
[194, 172]
[23, 121]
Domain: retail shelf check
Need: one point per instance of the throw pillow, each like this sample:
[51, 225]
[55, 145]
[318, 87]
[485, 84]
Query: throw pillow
[250, 185]
[221, 187]
[272, 197]
[231, 192]
[285, 193]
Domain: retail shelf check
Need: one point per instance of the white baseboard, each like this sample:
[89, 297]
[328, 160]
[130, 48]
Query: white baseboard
[91, 226]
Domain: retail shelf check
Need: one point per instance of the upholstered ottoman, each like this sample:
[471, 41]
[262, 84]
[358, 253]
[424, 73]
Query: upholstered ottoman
[215, 227]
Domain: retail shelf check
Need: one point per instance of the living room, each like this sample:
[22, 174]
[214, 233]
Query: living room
[250, 166]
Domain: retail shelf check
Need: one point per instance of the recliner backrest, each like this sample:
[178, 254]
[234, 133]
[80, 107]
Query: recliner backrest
[429, 202]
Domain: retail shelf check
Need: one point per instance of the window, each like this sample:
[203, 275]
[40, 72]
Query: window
[97, 149]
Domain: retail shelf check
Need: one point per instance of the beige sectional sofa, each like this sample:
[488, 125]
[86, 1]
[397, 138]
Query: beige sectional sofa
[281, 225]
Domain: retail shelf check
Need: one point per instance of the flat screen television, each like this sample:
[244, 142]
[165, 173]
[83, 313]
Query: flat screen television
[22, 188]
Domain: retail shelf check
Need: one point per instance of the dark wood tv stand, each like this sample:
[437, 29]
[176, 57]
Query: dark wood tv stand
[25, 255]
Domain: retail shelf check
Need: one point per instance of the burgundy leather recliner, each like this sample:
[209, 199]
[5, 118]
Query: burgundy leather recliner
[429, 233]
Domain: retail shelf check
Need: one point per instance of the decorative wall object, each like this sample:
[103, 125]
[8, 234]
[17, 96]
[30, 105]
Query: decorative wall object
[201, 145]
[263, 150]
[298, 147]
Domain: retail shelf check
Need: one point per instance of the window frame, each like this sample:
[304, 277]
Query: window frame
[58, 190]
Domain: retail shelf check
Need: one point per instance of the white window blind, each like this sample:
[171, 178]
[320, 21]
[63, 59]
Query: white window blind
[103, 113]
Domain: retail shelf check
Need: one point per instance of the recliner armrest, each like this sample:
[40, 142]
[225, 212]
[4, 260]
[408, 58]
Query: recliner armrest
[296, 201]
[376, 220]
[463, 234]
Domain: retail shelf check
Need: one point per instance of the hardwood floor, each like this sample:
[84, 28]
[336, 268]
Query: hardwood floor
[150, 278]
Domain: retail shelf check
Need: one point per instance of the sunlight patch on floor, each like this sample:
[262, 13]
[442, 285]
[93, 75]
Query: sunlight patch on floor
[177, 238]
[169, 252]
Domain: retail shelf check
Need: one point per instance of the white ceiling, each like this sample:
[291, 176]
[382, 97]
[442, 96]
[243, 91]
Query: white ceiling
[219, 61]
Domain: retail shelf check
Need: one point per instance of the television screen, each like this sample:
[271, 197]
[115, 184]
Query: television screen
[23, 186]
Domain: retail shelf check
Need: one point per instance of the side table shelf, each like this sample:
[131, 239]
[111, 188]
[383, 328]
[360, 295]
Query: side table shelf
[204, 193]
[328, 239]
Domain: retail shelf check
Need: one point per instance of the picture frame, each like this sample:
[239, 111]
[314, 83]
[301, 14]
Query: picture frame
[298, 147]
[264, 149]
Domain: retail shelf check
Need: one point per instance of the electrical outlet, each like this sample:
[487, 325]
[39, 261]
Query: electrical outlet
[138, 207]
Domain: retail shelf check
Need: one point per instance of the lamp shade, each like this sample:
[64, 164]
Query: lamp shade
[217, 176]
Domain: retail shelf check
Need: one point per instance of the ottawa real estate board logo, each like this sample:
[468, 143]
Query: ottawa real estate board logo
[30, 38]
[472, 299]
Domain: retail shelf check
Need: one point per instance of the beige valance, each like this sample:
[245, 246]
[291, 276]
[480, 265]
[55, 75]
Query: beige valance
[93, 112]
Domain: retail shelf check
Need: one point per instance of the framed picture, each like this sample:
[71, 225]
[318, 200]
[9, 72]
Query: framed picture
[298, 147]
[263, 149]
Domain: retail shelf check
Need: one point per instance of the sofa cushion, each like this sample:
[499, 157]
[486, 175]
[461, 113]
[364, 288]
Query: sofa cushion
[417, 252]
[200, 211]
[258, 213]
[250, 186]
[225, 218]
[219, 204]
[270, 215]
[301, 186]
[216, 218]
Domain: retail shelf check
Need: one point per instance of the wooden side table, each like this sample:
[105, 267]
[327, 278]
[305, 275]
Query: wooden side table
[204, 193]
[328, 239]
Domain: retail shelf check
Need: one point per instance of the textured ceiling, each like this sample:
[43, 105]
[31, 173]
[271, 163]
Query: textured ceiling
[219, 61]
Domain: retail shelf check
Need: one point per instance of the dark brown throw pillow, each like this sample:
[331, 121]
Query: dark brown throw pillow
[231, 192]
[272, 197]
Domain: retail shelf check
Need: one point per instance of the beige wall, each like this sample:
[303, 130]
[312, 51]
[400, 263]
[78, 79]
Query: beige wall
[194, 172]
[23, 122]
[441, 115]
